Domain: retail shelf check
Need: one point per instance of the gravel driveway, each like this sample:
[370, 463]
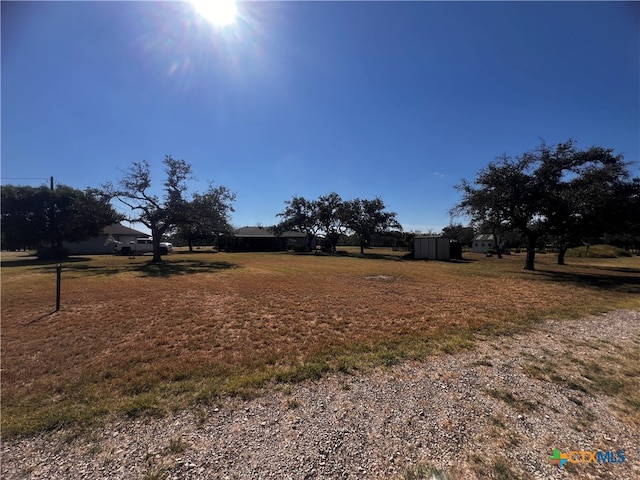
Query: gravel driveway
[495, 411]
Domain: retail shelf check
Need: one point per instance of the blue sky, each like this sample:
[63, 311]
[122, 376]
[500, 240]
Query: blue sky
[393, 99]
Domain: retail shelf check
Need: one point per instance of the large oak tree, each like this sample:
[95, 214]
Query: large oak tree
[159, 213]
[562, 191]
[366, 218]
[207, 216]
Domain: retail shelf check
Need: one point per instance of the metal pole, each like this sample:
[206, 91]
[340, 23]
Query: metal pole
[58, 275]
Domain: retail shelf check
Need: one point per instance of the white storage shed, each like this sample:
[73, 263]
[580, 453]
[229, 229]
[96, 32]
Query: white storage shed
[483, 243]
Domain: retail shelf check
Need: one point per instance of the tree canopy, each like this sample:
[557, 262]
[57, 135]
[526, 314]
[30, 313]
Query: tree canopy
[561, 191]
[367, 218]
[300, 215]
[207, 216]
[44, 218]
[332, 216]
[158, 213]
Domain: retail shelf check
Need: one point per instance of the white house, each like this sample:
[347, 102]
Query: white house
[483, 243]
[102, 243]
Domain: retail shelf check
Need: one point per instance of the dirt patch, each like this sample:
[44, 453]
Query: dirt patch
[382, 278]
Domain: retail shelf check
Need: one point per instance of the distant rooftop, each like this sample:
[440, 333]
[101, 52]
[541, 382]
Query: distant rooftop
[483, 237]
[118, 229]
[265, 232]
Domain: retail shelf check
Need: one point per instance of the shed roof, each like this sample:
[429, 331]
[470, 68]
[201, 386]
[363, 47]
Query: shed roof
[484, 237]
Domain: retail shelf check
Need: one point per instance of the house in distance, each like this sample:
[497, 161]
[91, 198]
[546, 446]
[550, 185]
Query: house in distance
[103, 243]
[262, 239]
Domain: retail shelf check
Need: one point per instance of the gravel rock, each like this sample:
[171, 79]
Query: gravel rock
[444, 413]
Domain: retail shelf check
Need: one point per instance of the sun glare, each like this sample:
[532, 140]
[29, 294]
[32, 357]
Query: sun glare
[219, 12]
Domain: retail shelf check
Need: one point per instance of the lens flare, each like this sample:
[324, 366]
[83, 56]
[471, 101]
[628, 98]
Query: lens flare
[220, 13]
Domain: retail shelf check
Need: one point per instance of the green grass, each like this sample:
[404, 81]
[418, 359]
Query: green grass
[597, 251]
[512, 400]
[496, 468]
[614, 372]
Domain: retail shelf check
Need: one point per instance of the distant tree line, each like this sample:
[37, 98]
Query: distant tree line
[42, 218]
[334, 218]
[560, 193]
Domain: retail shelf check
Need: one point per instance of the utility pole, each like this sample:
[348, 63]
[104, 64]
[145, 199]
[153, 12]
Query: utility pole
[51, 182]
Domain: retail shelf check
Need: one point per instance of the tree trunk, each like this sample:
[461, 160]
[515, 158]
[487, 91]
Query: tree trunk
[497, 240]
[561, 252]
[531, 252]
[190, 245]
[333, 241]
[157, 258]
[362, 248]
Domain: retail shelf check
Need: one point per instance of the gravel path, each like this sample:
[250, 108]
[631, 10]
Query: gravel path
[471, 415]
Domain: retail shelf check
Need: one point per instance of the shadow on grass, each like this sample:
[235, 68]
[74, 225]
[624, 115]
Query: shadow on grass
[165, 268]
[626, 280]
[33, 261]
[182, 267]
[367, 255]
[82, 265]
[391, 257]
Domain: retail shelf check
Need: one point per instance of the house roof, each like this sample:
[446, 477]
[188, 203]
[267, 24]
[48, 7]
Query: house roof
[118, 229]
[483, 237]
[265, 232]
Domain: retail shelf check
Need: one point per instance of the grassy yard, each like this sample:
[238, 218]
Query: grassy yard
[138, 339]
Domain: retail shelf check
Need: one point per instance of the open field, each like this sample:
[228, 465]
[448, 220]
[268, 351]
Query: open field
[134, 339]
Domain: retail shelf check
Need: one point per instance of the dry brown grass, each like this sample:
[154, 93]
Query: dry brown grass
[133, 338]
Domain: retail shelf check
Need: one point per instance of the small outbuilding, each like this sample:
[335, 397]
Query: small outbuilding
[483, 243]
[432, 248]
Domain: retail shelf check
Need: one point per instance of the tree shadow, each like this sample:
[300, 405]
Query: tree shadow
[82, 265]
[183, 267]
[625, 280]
[33, 261]
[394, 258]
[165, 268]
[366, 255]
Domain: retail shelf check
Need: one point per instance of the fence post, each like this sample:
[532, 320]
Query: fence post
[58, 275]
